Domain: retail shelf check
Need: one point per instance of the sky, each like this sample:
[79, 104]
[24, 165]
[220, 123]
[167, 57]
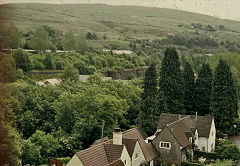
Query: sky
[226, 9]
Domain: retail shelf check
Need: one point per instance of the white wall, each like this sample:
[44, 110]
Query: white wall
[196, 135]
[75, 161]
[125, 157]
[141, 158]
[212, 137]
[202, 142]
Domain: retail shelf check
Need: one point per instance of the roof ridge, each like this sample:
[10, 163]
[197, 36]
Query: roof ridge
[91, 147]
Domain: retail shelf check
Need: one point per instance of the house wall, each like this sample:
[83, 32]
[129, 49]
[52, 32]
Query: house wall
[125, 157]
[75, 161]
[170, 155]
[207, 142]
[212, 137]
[202, 142]
[141, 158]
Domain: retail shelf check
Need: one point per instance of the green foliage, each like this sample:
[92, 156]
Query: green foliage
[22, 60]
[189, 80]
[227, 150]
[224, 163]
[82, 45]
[224, 105]
[207, 155]
[171, 81]
[39, 147]
[40, 39]
[10, 141]
[65, 160]
[70, 73]
[10, 37]
[233, 60]
[48, 62]
[7, 68]
[203, 89]
[69, 41]
[190, 164]
[149, 114]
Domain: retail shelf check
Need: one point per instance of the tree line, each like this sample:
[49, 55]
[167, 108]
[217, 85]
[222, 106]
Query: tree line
[183, 92]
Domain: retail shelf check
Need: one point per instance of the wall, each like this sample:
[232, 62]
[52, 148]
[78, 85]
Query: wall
[125, 156]
[212, 137]
[75, 161]
[141, 158]
[126, 74]
[170, 155]
[202, 142]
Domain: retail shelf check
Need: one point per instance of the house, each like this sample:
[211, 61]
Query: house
[47, 82]
[104, 154]
[127, 148]
[203, 127]
[174, 141]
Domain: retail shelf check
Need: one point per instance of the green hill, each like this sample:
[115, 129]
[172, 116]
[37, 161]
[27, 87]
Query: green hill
[119, 23]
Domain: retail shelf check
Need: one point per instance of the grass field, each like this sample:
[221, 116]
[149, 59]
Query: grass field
[119, 23]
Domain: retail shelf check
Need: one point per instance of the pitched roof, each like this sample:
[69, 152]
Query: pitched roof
[130, 145]
[202, 123]
[148, 149]
[102, 154]
[181, 132]
[99, 141]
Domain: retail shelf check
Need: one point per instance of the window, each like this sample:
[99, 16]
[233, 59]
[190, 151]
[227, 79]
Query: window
[165, 145]
[212, 133]
[125, 162]
[203, 148]
[136, 156]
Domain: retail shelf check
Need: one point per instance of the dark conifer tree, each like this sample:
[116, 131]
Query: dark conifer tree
[203, 88]
[188, 76]
[224, 104]
[147, 114]
[171, 82]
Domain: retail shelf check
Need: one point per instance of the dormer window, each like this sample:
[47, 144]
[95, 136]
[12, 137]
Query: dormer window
[165, 145]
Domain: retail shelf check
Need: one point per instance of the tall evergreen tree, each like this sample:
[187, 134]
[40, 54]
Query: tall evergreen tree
[188, 76]
[147, 114]
[171, 81]
[203, 88]
[224, 104]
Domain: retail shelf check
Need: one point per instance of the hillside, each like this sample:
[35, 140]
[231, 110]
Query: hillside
[119, 23]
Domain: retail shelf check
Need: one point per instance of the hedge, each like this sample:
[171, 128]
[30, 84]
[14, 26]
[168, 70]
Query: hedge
[65, 160]
[208, 155]
[190, 164]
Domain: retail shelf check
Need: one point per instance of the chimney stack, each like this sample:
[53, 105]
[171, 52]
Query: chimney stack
[117, 136]
[196, 116]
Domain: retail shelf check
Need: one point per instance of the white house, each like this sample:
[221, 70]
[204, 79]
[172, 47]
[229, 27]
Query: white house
[203, 127]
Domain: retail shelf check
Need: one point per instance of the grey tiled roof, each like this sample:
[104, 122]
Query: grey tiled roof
[201, 123]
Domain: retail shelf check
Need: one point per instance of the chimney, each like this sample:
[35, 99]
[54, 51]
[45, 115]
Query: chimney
[117, 136]
[196, 116]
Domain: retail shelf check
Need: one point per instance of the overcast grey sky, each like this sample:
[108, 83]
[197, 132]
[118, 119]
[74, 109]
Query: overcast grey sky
[229, 9]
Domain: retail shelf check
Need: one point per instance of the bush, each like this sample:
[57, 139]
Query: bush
[190, 164]
[228, 150]
[64, 160]
[208, 155]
